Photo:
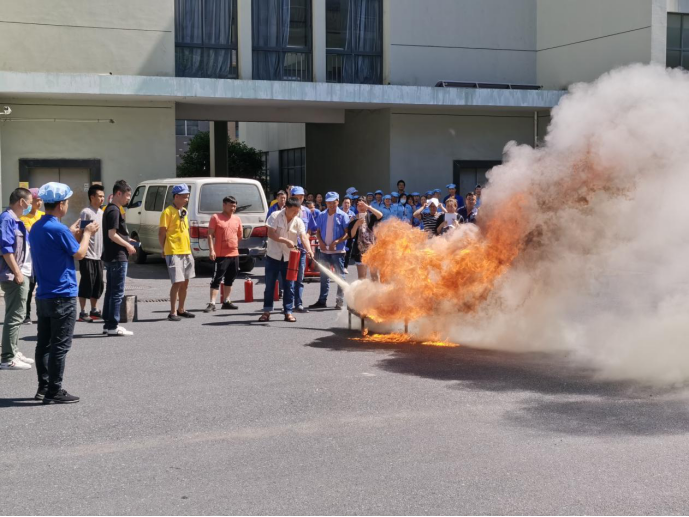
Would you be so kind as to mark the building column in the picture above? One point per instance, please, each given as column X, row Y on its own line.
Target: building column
column 318, row 45
column 244, row 40
column 218, row 137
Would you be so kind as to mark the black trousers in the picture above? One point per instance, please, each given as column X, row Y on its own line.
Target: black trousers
column 32, row 287
column 56, row 318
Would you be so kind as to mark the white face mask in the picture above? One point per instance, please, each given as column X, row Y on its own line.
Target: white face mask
column 403, row 200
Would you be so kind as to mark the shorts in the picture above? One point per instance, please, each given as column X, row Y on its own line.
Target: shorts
column 91, row 283
column 180, row 267
column 227, row 268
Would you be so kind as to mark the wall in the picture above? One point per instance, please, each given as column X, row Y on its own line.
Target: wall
column 467, row 40
column 140, row 144
column 579, row 40
column 356, row 153
column 123, row 37
column 424, row 144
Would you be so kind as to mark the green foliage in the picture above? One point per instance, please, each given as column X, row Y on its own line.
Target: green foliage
column 243, row 161
column 196, row 162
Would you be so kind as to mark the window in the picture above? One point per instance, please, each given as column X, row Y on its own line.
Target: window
column 206, row 38
column 180, row 127
column 293, row 167
column 467, row 175
column 677, row 41
column 354, row 41
column 154, row 199
column 186, row 127
column 248, row 197
column 281, row 32
column 137, row 198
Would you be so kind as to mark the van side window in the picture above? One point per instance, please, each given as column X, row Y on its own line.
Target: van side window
column 160, row 198
column 151, row 198
column 138, row 197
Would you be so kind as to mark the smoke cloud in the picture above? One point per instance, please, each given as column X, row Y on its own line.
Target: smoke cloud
column 582, row 246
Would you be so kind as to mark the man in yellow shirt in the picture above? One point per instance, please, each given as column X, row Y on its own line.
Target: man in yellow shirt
column 176, row 245
column 29, row 219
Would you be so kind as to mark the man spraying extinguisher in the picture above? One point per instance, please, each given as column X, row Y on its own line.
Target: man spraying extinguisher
column 285, row 230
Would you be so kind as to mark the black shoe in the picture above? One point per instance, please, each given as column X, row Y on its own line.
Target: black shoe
column 318, row 305
column 61, row 397
column 95, row 314
column 40, row 394
column 301, row 310
column 173, row 317
column 209, row 308
column 186, row 314
column 229, row 306
column 85, row 317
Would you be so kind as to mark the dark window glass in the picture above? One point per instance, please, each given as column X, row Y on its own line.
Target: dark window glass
column 336, row 22
column 206, row 38
column 674, row 30
column 192, row 127
column 673, row 59
column 248, row 197
column 179, row 128
column 138, row 197
column 151, row 198
column 160, row 198
column 685, row 32
column 293, row 167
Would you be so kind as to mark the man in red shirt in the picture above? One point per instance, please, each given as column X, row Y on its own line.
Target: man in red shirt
column 224, row 233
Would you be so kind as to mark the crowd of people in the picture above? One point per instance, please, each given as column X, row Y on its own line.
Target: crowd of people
column 39, row 254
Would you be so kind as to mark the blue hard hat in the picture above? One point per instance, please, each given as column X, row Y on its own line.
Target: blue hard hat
column 379, row 192
column 297, row 191
column 348, row 197
column 415, row 194
column 351, row 190
column 437, row 191
column 394, row 194
column 54, row 192
column 182, row 190
column 451, row 185
column 388, row 197
column 429, row 193
column 369, row 193
column 332, row 196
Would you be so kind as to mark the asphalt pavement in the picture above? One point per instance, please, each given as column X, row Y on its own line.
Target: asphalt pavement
column 226, row 415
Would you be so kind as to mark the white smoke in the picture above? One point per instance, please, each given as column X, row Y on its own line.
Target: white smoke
column 610, row 278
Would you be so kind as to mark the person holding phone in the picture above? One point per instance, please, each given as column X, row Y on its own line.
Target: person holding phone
column 360, row 230
column 91, row 266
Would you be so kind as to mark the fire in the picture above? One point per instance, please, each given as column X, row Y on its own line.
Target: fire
column 397, row 338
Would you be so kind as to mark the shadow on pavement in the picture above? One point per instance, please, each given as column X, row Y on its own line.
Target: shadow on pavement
column 573, row 400
column 20, row 402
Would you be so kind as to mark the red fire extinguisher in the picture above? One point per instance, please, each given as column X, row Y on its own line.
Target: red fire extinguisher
column 248, row 290
column 293, row 266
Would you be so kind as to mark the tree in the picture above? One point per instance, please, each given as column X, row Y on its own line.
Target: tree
column 197, row 160
column 242, row 161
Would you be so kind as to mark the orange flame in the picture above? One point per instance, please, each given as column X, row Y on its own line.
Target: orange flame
column 397, row 338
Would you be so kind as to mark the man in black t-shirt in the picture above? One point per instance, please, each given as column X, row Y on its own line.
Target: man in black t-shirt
column 117, row 248
column 469, row 211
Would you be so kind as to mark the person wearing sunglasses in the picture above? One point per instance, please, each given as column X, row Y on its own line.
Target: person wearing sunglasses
column 176, row 245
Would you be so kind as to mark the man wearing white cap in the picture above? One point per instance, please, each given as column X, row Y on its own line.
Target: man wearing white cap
column 332, row 236
column 54, row 248
column 176, row 245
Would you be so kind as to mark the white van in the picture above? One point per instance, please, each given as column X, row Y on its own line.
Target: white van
column 151, row 197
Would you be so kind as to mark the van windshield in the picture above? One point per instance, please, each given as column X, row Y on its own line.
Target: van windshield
column 248, row 197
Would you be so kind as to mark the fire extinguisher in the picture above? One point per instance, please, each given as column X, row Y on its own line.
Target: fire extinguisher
column 248, row 290
column 293, row 266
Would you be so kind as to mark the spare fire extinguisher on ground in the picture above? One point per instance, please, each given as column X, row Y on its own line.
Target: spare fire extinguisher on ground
column 248, row 290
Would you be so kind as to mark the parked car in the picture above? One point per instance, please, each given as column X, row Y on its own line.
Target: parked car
column 151, row 197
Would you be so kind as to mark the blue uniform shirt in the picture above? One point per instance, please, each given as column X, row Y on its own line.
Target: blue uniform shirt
column 52, row 250
column 339, row 226
column 387, row 212
column 375, row 204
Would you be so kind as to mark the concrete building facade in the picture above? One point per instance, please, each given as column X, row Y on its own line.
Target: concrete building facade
column 97, row 86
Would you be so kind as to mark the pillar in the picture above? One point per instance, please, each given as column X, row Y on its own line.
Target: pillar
column 244, row 39
column 318, row 46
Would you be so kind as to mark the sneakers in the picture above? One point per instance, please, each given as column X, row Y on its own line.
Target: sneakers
column 95, row 314
column 27, row 321
column 24, row 359
column 15, row 364
column 229, row 306
column 173, row 317
column 84, row 317
column 339, row 304
column 301, row 309
column 40, row 394
column 61, row 397
column 318, row 305
column 186, row 314
column 209, row 308
column 119, row 331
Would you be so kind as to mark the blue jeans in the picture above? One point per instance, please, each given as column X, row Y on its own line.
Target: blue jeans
column 116, row 274
column 299, row 284
column 277, row 269
column 56, row 318
column 337, row 260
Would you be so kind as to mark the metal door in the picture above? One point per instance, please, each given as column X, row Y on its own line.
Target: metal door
column 466, row 175
column 78, row 180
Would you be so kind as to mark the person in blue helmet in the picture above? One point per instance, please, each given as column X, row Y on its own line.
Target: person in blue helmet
column 369, row 198
column 353, row 194
column 452, row 193
column 377, row 203
column 477, row 191
column 54, row 247
column 308, row 217
column 386, row 210
column 406, row 210
column 347, row 206
column 332, row 236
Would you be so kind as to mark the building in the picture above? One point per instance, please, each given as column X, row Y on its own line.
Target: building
column 95, row 87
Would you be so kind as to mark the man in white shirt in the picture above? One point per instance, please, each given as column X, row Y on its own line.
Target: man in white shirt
column 285, row 229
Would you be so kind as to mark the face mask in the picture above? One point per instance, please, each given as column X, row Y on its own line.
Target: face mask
column 403, row 200
column 27, row 210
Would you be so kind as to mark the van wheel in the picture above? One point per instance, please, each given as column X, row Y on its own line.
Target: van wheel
column 247, row 265
column 141, row 255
